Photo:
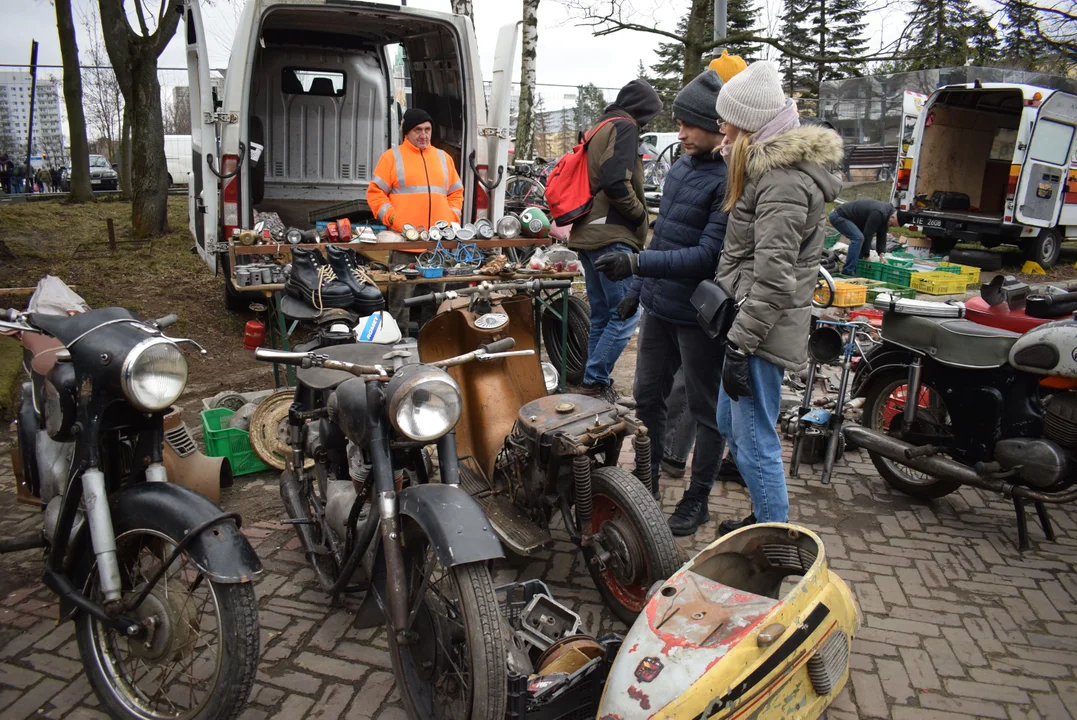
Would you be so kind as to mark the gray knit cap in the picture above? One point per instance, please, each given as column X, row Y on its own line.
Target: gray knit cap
column 752, row 97
column 695, row 103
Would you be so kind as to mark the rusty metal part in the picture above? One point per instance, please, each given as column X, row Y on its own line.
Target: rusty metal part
column 270, row 431
column 185, row 466
column 641, row 444
column 564, row 408
column 492, row 391
column 581, row 485
column 584, row 644
column 944, row 468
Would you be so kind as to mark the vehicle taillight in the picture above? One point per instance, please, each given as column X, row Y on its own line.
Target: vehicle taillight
column 903, row 177
column 482, row 198
column 229, row 196
column 1011, row 183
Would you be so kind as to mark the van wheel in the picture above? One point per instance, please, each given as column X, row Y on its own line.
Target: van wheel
column 1045, row 248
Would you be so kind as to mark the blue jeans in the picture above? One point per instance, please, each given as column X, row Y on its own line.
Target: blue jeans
column 748, row 426
column 609, row 333
column 856, row 240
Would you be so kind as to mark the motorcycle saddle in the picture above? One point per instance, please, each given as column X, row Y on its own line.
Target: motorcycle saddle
column 358, row 353
column 955, row 342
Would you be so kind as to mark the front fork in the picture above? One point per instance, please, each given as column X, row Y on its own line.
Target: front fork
column 912, row 394
column 103, row 537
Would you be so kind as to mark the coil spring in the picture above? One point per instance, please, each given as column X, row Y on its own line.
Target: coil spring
column 581, row 477
column 642, row 446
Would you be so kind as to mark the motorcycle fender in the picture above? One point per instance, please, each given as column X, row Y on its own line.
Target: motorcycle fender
column 221, row 551
column 886, row 359
column 454, row 522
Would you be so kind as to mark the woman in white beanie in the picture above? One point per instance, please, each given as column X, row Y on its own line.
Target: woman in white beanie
column 776, row 195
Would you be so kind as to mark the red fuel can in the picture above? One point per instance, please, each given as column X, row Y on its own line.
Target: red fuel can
column 254, row 334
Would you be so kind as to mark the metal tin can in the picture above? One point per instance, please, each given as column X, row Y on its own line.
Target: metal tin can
column 266, row 275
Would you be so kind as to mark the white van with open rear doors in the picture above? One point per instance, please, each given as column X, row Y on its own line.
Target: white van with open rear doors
column 993, row 163
column 309, row 104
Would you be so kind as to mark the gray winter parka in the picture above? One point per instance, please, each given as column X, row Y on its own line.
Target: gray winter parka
column 774, row 241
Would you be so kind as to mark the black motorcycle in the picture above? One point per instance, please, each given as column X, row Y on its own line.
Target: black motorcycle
column 359, row 490
column 156, row 577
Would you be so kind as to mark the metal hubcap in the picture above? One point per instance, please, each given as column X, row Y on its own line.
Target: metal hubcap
column 171, row 624
column 624, row 552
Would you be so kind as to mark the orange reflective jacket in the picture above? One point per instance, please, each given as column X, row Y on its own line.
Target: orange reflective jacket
column 415, row 187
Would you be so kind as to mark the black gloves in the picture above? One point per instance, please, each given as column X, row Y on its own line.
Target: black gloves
column 736, row 377
column 617, row 265
column 628, row 306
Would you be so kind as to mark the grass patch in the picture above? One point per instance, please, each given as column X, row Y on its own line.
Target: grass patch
column 10, row 375
column 167, row 278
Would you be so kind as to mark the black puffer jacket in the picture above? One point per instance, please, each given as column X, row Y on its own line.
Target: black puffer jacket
column 687, row 238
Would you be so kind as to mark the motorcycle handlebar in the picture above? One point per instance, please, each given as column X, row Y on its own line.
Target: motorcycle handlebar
column 166, row 321
column 281, row 357
column 421, row 299
column 499, row 345
column 490, row 287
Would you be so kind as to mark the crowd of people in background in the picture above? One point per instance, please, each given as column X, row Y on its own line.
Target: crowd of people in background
column 19, row 178
column 744, row 206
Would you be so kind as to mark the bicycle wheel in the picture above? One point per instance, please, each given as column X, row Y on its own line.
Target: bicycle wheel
column 522, row 193
column 579, row 330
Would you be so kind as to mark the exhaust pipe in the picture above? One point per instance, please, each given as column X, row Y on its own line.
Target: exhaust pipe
column 944, row 468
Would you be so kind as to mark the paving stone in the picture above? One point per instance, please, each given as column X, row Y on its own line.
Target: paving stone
column 920, row 669
column 325, row 665
column 870, row 698
column 372, row 693
column 294, row 706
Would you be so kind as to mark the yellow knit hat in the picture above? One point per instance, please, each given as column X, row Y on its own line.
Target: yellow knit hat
column 727, row 65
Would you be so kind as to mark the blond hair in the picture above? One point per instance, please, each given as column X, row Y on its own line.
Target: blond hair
column 738, row 162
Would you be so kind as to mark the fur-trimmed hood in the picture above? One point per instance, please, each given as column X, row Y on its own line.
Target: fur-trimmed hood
column 810, row 149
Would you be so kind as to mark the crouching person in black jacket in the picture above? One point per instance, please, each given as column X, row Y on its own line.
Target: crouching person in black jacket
column 683, row 251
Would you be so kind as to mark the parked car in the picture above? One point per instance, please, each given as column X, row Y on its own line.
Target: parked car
column 178, row 159
column 103, row 175
column 295, row 60
column 993, row 163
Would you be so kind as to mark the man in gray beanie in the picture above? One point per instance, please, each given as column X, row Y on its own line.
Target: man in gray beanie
column 684, row 250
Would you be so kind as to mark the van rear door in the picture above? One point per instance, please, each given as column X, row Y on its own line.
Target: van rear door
column 497, row 132
column 203, row 192
column 1040, row 188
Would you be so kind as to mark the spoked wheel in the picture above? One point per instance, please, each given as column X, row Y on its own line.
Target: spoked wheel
column 452, row 665
column 884, row 406
column 199, row 656
column 630, row 526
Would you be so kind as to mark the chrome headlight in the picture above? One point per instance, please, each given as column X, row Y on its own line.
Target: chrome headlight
column 425, row 405
column 154, row 374
column 551, row 377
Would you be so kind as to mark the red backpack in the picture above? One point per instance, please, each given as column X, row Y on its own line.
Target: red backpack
column 568, row 187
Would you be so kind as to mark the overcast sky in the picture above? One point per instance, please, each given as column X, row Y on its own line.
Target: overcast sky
column 567, row 54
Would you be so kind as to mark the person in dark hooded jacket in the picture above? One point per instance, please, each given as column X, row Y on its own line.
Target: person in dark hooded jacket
column 683, row 251
column 617, row 222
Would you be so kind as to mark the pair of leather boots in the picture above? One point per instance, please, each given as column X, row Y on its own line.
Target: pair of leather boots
column 336, row 281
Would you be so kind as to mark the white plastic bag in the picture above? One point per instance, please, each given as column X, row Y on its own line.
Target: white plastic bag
column 54, row 297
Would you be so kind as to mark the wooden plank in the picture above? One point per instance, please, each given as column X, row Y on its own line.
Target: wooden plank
column 280, row 248
column 382, row 283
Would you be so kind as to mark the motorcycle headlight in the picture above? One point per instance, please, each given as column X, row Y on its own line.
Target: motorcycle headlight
column 425, row 404
column 154, row 374
column 551, row 377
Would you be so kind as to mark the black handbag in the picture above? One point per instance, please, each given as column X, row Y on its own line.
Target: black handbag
column 715, row 309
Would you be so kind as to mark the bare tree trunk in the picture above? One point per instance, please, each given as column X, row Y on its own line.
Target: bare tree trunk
column 76, row 120
column 700, row 31
column 525, row 125
column 124, row 149
column 463, row 7
column 134, row 57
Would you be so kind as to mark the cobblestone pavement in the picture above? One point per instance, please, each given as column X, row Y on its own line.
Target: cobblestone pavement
column 958, row 624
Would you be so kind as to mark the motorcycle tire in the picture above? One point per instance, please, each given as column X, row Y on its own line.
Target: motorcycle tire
column 481, row 618
column 879, row 391
column 579, row 331
column 237, row 627
column 621, row 502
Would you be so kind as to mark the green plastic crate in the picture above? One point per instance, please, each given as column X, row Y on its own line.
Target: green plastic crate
column 231, row 443
column 831, row 237
column 869, row 269
column 892, row 290
column 903, row 276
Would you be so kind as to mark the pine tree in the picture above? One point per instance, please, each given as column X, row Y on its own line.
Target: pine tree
column 983, row 42
column 1021, row 47
column 590, row 106
column 939, row 34
column 824, row 29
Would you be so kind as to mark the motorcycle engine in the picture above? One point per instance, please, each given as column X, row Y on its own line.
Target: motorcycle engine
column 1060, row 420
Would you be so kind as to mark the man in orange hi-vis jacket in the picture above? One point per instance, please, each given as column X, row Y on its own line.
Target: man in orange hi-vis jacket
column 416, row 184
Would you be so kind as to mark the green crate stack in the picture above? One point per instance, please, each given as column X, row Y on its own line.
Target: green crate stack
column 231, row 443
column 892, row 290
column 869, row 269
column 903, row 276
column 831, row 237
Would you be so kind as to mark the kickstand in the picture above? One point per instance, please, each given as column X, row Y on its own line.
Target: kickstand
column 1022, row 522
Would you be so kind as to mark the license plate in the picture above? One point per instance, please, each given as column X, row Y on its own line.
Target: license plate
column 927, row 222
column 95, row 182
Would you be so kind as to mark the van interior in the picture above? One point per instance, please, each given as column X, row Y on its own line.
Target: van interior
column 324, row 105
column 968, row 146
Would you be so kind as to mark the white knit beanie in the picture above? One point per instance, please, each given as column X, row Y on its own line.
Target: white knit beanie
column 752, row 97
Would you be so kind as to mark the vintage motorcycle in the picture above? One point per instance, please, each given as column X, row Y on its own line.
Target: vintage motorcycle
column 358, row 491
column 526, row 455
column 157, row 579
column 949, row 402
column 756, row 625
